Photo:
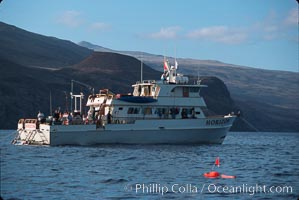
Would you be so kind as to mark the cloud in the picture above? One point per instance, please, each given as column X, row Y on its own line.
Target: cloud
column 271, row 27
column 275, row 28
column 222, row 34
column 99, row 26
column 166, row 33
column 268, row 32
column 292, row 17
column 70, row 18
column 267, row 28
column 74, row 19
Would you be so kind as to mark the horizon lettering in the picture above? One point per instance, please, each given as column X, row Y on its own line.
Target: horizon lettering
column 215, row 122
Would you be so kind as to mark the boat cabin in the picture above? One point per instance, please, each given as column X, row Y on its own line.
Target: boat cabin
column 147, row 88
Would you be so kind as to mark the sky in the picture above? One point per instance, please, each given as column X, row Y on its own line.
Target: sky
column 254, row 33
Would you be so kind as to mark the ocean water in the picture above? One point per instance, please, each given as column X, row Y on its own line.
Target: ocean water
column 266, row 166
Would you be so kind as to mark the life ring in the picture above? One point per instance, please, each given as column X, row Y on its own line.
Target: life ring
column 212, row 174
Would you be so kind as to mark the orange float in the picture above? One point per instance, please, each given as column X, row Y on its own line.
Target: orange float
column 212, row 174
column 227, row 176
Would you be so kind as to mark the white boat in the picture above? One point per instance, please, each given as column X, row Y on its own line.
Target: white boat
column 168, row 111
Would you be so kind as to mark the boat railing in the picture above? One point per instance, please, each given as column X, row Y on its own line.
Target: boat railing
column 131, row 120
column 146, row 81
column 215, row 116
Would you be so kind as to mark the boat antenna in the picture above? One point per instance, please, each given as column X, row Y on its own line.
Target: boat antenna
column 198, row 80
column 50, row 103
column 175, row 61
column 141, row 68
column 71, row 94
column 175, row 55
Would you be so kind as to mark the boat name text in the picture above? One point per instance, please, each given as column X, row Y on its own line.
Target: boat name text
column 214, row 122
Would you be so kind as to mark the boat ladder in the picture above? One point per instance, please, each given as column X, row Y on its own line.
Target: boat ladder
column 17, row 137
column 30, row 136
column 43, row 137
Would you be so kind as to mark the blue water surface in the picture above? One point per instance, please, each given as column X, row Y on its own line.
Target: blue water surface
column 259, row 161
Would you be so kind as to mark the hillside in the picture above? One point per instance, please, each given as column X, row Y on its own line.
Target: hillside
column 269, row 99
column 24, row 91
column 31, row 49
column 110, row 70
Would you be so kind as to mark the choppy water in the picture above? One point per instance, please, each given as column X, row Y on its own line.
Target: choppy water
column 145, row 172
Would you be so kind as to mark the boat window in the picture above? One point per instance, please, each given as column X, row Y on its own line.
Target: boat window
column 132, row 110
column 120, row 108
column 174, row 112
column 136, row 110
column 189, row 113
column 158, row 111
column 194, row 89
column 153, row 90
column 147, row 111
column 145, row 91
column 164, row 110
column 185, row 92
column 149, row 90
column 157, row 91
column 136, row 91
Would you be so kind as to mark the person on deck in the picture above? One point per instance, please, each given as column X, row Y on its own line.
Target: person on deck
column 184, row 113
column 70, row 118
column 56, row 115
column 41, row 117
column 109, row 117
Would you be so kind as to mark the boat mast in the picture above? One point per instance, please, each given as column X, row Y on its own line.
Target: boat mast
column 66, row 104
column 141, row 70
column 78, row 96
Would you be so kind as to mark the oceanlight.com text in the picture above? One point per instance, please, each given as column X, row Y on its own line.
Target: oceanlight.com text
column 162, row 189
column 249, row 189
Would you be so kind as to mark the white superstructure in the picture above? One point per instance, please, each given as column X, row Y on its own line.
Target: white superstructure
column 168, row 111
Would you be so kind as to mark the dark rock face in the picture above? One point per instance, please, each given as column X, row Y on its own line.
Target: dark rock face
column 24, row 91
column 219, row 102
column 217, row 96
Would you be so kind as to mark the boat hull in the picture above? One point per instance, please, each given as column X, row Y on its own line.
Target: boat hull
column 183, row 136
column 166, row 131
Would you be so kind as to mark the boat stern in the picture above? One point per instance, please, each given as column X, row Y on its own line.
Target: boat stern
column 31, row 132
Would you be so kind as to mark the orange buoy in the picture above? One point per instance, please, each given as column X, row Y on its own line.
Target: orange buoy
column 212, row 174
column 227, row 176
